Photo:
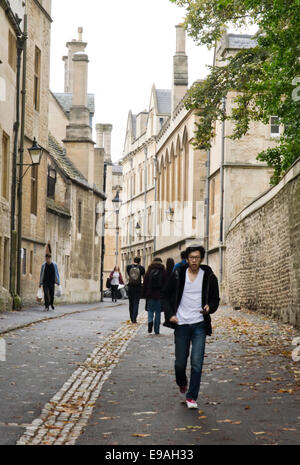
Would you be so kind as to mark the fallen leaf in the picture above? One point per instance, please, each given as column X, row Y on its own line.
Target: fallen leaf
column 144, row 413
column 138, row 435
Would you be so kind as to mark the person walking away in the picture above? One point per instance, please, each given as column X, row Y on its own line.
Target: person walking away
column 135, row 271
column 182, row 262
column 115, row 280
column 169, row 266
column 154, row 281
column 191, row 295
column 49, row 276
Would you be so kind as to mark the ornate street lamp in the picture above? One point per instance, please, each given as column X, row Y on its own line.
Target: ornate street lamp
column 35, row 153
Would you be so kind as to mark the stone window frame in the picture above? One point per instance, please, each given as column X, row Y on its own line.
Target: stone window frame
column 12, row 50
column 37, row 79
column 5, row 165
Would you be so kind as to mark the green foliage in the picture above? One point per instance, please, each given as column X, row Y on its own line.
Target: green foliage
column 261, row 76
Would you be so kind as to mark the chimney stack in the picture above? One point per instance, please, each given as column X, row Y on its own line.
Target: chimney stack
column 103, row 139
column 73, row 47
column 180, row 69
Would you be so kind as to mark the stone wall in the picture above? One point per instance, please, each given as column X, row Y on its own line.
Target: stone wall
column 262, row 265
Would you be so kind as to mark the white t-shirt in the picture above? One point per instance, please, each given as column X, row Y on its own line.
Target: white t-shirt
column 190, row 306
column 115, row 278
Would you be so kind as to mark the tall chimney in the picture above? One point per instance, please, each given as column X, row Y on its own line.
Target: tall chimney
column 107, row 140
column 73, row 47
column 180, row 69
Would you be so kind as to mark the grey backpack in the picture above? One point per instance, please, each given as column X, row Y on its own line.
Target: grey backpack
column 134, row 275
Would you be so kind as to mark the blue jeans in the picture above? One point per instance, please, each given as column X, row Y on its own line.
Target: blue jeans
column 185, row 335
column 154, row 308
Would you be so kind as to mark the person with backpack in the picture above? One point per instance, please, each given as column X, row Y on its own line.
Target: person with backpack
column 135, row 271
column 154, row 281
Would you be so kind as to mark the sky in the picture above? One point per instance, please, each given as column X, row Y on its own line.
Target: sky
column 131, row 44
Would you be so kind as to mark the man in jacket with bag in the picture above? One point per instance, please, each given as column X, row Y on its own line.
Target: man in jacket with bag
column 48, row 278
column 189, row 297
column 154, row 281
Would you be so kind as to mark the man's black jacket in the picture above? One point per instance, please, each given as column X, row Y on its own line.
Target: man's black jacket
column 173, row 290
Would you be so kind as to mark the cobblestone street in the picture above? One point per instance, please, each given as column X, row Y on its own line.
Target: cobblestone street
column 122, row 391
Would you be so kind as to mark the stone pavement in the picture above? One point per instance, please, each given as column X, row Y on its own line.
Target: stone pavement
column 124, row 393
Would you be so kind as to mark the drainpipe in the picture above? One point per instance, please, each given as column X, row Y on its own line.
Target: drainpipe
column 145, row 206
column 13, row 232
column 207, row 205
column 103, row 237
column 222, row 193
column 20, row 184
column 155, row 203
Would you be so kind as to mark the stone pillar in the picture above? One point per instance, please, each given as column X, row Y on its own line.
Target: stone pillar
column 180, row 69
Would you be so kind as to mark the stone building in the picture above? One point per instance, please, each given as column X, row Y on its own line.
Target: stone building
column 33, row 195
column 36, row 126
column 113, row 183
column 75, row 182
column 139, row 168
column 10, row 33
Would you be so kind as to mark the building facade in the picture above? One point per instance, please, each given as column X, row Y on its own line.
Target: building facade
column 75, row 169
column 195, row 193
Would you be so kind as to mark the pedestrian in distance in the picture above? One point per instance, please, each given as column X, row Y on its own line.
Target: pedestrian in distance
column 49, row 276
column 115, row 280
column 191, row 295
column 170, row 263
column 182, row 262
column 135, row 271
column 154, row 281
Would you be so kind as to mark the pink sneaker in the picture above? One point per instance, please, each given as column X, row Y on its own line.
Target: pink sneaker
column 191, row 403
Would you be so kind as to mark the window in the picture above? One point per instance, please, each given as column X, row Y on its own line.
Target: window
column 24, row 267
column 37, row 79
column 12, row 50
column 34, row 189
column 6, row 263
column 51, row 181
column 275, row 128
column 79, row 216
column 212, row 196
column 5, row 166
column 31, row 262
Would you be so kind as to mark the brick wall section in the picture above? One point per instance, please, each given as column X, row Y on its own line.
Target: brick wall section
column 262, row 267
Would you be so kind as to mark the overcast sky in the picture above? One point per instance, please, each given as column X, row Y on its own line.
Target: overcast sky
column 131, row 44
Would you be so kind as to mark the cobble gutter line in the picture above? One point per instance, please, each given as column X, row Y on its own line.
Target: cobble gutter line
column 63, row 418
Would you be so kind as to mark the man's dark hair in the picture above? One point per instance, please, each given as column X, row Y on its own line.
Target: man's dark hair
column 137, row 260
column 157, row 260
column 194, row 248
column 183, row 255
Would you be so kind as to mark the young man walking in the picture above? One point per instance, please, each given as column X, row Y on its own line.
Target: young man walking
column 135, row 272
column 48, row 278
column 190, row 296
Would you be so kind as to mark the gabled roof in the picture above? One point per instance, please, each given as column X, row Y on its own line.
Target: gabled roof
column 58, row 153
column 163, row 101
column 65, row 101
column 239, row 41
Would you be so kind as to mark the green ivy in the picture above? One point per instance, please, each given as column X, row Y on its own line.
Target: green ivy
column 262, row 76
